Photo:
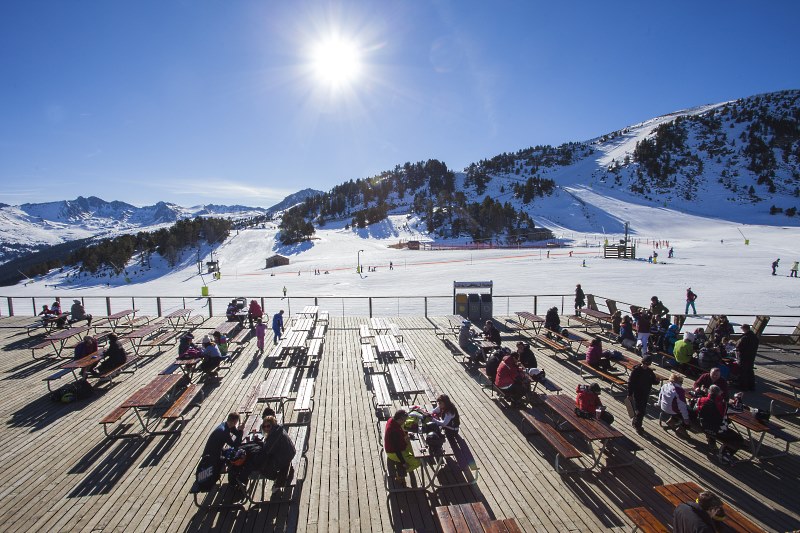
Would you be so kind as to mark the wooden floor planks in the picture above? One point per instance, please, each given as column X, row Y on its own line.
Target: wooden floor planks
column 59, row 472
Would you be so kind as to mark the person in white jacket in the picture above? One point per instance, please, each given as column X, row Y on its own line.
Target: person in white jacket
column 672, row 401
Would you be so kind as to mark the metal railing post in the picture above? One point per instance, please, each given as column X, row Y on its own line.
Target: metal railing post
column 108, row 305
column 10, row 306
column 158, row 305
column 210, row 308
column 535, row 305
column 370, row 306
column 426, row 307
column 33, row 303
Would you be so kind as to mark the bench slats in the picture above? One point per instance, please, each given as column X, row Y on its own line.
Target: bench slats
column 305, row 395
column 114, row 415
column 553, row 437
column 614, row 380
column 644, row 520
column 183, row 401
column 380, row 389
column 367, row 354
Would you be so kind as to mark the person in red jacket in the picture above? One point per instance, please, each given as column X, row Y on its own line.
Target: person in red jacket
column 512, row 379
column 588, row 402
column 398, row 446
column 254, row 312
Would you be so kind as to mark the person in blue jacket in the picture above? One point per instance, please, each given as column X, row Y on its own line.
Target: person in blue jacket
column 277, row 326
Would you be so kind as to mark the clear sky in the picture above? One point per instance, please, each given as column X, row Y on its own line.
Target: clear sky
column 244, row 102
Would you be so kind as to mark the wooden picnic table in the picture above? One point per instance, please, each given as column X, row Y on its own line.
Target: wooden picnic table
column 137, row 336
column 599, row 316
column 116, row 319
column 294, row 341
column 178, row 318
column 310, row 311
column 472, row 518
column 794, row 383
column 277, row 387
column 386, row 345
column 405, row 380
column 226, row 327
column 438, row 461
column 526, row 317
column 303, row 324
column 59, row 339
column 678, row 493
column 149, row 396
column 454, row 323
column 751, row 424
column 379, row 324
column 589, row 428
column 188, row 366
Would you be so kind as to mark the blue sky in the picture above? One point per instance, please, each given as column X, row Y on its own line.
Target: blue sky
column 201, row 102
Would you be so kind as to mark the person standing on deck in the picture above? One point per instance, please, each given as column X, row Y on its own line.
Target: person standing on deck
column 580, row 299
column 277, row 326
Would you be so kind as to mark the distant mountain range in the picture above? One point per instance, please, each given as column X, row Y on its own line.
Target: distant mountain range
column 28, row 228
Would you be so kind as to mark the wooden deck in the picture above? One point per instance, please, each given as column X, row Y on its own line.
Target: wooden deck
column 58, row 472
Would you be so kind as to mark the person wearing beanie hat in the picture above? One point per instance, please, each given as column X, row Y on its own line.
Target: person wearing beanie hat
column 684, row 348
column 746, row 350
column 212, row 357
column 640, row 383
column 78, row 313
column 588, row 401
column 699, row 515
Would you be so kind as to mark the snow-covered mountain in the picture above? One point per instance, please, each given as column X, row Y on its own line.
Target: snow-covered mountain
column 29, row 227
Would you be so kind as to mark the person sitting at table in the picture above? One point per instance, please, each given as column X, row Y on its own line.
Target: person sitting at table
column 113, row 357
column 616, row 322
column 683, row 350
column 711, row 411
column 640, row 383
column 187, row 349
column 230, row 312
column 699, row 516
column 723, row 329
column 493, row 363
column 670, row 338
column 254, row 312
column 229, row 433
column 86, row 347
column 272, row 458
column 551, row 320
column 709, row 356
column 55, row 310
column 222, row 342
column 706, row 380
column 526, row 355
column 699, row 338
column 397, row 446
column 491, row 333
column 587, row 403
column 212, row 357
column 445, row 416
column 78, row 313
column 512, row 378
column 465, row 336
column 672, row 401
column 595, row 356
column 626, row 335
column 46, row 313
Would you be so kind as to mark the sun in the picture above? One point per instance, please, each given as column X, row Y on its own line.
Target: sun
column 336, row 62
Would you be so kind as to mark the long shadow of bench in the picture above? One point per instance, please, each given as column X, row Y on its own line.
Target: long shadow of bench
column 103, row 478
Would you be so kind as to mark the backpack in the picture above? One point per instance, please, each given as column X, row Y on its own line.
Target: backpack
column 206, row 474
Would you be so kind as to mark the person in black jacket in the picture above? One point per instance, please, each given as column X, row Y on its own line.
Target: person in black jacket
column 494, row 362
column 274, row 458
column 113, row 357
column 698, row 517
column 580, row 299
column 551, row 320
column 746, row 350
column 230, row 433
column 640, row 383
column 526, row 355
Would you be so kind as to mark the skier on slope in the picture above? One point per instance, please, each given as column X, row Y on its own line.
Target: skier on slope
column 775, row 266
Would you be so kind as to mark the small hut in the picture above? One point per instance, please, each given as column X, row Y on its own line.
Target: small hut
column 276, row 260
column 413, row 245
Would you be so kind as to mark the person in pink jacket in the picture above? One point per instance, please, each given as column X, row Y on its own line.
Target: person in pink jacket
column 261, row 333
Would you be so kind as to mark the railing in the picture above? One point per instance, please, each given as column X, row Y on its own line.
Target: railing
column 335, row 305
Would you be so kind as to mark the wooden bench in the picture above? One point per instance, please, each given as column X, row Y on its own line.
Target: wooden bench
column 552, row 344
column 55, row 376
column 121, row 369
column 580, row 320
column 784, row 399
column 364, row 333
column 368, row 354
column 250, row 399
column 562, row 447
column 463, row 518
column 611, row 378
column 408, row 354
column 165, row 339
column 323, row 316
column 184, row 401
column 112, row 418
column 319, row 332
column 503, row 525
column 645, row 520
column 305, row 396
column 315, row 347
column 685, row 368
column 381, row 399
column 395, row 330
column 41, row 345
column 239, row 337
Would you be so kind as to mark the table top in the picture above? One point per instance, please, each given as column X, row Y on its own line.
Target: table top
column 405, row 380
column 679, row 493
column 295, row 339
column 530, row 317
column 303, row 324
column 386, row 344
column 794, row 382
column 420, row 447
column 122, row 314
column 600, row 315
column 142, row 332
column 466, row 517
column 590, row 428
column 66, row 333
column 379, row 323
column 83, row 362
column 486, row 345
column 227, row 327
column 748, row 420
column 151, row 394
column 312, row 310
column 178, row 313
column 278, row 384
